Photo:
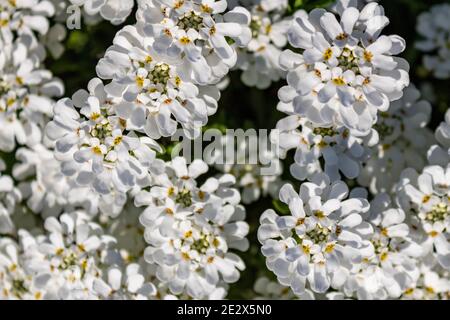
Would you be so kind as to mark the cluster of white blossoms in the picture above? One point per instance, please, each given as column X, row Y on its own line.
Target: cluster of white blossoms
column 426, row 197
column 439, row 154
column 92, row 208
column 191, row 229
column 259, row 61
column 347, row 72
column 403, row 142
column 161, row 72
column 27, row 90
column 73, row 260
column 434, row 28
column 115, row 11
column 341, row 153
column 352, row 114
column 390, row 266
column 164, row 69
column 320, row 241
column 95, row 145
column 9, row 196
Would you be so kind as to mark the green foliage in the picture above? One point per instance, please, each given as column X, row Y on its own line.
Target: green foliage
column 280, row 207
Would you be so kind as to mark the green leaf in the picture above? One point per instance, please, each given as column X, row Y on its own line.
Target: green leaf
column 280, row 207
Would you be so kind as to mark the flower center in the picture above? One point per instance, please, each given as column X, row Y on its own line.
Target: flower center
column 102, row 130
column 160, row 74
column 184, row 198
column 325, row 132
column 439, row 212
column 18, row 287
column 255, row 26
column 190, row 20
column 202, row 244
column 68, row 261
column 318, row 235
column 348, row 61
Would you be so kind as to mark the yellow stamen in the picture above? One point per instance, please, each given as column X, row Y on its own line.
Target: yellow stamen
column 328, row 54
column 368, row 56
column 97, row 150
column 185, row 40
column 329, row 248
column 339, row 81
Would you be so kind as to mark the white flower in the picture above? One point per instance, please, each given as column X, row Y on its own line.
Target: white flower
column 390, row 262
column 17, row 282
column 25, row 95
column 115, row 11
column 259, row 61
column 191, row 230
column 68, row 262
column 318, row 239
column 9, row 197
column 71, row 255
column 403, row 142
column 430, row 285
column 24, row 17
column 340, row 150
column 156, row 95
column 124, row 284
column 200, row 28
column 272, row 290
column 29, row 274
column 426, row 198
column 440, row 154
column 434, row 28
column 96, row 146
column 46, row 190
column 347, row 72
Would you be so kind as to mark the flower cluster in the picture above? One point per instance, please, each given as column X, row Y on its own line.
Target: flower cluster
column 9, row 196
column 390, row 267
column 96, row 146
column 347, row 71
column 335, row 147
column 434, row 28
column 320, row 241
column 427, row 199
column 190, row 229
column 164, row 68
column 70, row 261
column 259, row 61
column 403, row 142
column 26, row 92
column 115, row 11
